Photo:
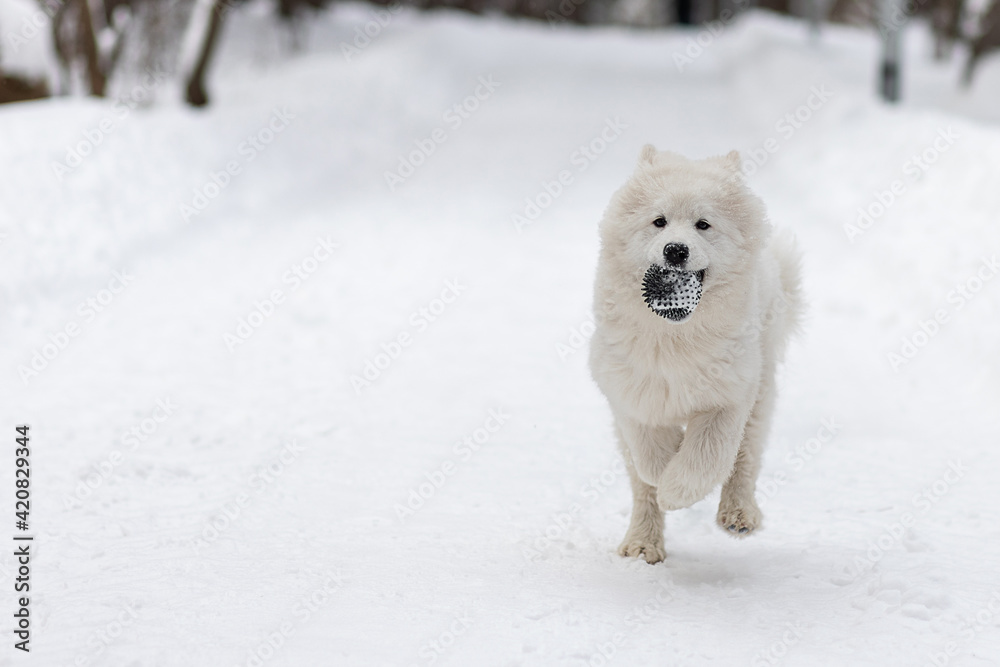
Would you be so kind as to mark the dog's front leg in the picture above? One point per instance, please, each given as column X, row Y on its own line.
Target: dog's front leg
column 705, row 458
column 653, row 447
column 649, row 447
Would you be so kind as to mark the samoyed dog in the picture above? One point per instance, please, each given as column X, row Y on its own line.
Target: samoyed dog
column 694, row 302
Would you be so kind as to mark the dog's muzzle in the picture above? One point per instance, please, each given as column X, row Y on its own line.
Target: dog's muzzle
column 672, row 294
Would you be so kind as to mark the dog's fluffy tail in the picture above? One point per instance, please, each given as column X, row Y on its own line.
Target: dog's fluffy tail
column 789, row 300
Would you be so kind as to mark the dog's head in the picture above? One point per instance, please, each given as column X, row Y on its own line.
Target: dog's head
column 682, row 228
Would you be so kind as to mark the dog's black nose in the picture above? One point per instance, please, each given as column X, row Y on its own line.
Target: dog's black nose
column 675, row 254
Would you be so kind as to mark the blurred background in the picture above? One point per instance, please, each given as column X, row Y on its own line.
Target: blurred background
column 295, row 298
column 66, row 47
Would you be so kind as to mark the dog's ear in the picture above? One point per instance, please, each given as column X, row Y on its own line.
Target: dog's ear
column 733, row 161
column 648, row 154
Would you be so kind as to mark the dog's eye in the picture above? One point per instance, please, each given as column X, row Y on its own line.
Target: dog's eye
column 702, row 224
column 660, row 222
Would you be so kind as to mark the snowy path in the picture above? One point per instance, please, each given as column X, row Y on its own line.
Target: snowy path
column 265, row 506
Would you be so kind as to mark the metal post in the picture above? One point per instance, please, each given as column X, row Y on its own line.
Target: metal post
column 892, row 18
column 815, row 9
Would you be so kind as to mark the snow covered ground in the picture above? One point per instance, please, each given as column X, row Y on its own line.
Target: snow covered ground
column 284, row 414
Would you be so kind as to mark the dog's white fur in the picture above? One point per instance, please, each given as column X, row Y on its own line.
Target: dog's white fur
column 692, row 402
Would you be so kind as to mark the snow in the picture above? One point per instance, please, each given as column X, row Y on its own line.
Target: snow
column 26, row 39
column 196, row 505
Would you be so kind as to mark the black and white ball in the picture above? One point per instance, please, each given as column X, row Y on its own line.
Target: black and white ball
column 672, row 294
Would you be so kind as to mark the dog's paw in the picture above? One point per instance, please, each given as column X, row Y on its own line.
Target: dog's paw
column 740, row 521
column 638, row 548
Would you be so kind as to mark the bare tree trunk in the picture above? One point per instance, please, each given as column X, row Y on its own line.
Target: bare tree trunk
column 946, row 23
column 988, row 39
column 953, row 29
column 76, row 26
column 64, row 51
column 195, row 93
column 96, row 78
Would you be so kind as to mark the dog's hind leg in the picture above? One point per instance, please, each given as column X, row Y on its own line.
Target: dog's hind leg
column 644, row 538
column 738, row 511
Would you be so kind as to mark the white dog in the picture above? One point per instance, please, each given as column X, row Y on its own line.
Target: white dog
column 694, row 302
